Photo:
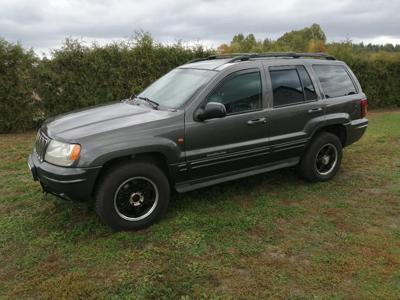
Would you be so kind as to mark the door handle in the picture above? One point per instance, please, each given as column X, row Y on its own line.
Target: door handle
column 257, row 121
column 314, row 110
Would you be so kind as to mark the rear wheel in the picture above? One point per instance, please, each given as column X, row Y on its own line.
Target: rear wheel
column 132, row 195
column 322, row 159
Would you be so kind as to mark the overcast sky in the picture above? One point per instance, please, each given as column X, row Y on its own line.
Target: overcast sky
column 44, row 24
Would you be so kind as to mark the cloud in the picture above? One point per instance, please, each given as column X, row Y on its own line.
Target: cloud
column 45, row 24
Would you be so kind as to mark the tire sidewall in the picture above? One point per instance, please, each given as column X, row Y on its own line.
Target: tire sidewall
column 308, row 167
column 105, row 197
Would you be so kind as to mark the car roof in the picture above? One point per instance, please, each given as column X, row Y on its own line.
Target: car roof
column 218, row 63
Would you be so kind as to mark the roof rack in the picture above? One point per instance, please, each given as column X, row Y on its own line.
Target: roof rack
column 220, row 56
column 248, row 56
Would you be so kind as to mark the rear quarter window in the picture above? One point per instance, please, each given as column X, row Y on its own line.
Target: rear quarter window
column 335, row 80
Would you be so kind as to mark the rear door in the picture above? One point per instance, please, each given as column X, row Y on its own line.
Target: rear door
column 296, row 106
column 237, row 141
column 341, row 90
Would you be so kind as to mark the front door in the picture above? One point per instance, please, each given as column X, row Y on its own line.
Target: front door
column 239, row 140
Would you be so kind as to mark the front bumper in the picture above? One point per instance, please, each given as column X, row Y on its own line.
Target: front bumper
column 68, row 183
column 355, row 130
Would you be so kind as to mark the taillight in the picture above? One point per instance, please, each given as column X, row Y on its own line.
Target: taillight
column 364, row 107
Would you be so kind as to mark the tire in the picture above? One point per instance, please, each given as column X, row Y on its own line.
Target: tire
column 132, row 196
column 322, row 158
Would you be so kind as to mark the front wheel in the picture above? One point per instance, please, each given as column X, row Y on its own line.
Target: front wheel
column 132, row 195
column 322, row 158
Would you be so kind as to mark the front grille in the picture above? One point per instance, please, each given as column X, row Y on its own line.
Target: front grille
column 41, row 145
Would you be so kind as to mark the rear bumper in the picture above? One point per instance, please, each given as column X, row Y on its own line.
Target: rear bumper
column 69, row 183
column 355, row 130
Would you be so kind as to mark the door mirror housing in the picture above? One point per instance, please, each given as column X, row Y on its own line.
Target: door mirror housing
column 211, row 111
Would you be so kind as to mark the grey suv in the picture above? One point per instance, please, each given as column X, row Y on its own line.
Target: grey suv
column 205, row 122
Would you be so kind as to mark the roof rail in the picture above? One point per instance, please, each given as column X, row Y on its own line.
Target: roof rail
column 220, row 56
column 248, row 56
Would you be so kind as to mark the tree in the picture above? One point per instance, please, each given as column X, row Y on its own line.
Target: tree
column 240, row 43
column 224, row 48
column 301, row 40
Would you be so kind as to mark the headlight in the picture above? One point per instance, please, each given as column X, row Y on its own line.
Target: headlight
column 62, row 154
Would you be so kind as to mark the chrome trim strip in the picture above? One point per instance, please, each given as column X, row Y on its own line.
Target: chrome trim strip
column 244, row 154
column 225, row 159
column 229, row 155
column 362, row 126
column 289, row 148
column 63, row 181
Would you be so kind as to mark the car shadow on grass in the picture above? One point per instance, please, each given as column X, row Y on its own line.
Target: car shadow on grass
column 240, row 193
column 82, row 217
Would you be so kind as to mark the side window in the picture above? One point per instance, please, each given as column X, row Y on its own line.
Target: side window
column 239, row 93
column 335, row 80
column 286, row 87
column 309, row 90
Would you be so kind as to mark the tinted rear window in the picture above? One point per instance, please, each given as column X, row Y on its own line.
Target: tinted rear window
column 286, row 87
column 335, row 80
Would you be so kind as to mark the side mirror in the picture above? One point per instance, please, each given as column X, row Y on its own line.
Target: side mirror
column 211, row 111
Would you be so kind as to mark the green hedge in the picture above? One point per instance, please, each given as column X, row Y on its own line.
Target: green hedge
column 380, row 80
column 76, row 76
column 18, row 104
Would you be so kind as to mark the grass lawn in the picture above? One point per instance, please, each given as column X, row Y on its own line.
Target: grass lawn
column 266, row 236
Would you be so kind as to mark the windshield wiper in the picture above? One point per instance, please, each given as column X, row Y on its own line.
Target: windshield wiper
column 153, row 103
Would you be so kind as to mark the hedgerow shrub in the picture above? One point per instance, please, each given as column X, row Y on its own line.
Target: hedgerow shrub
column 77, row 76
column 380, row 80
column 18, row 106
column 378, row 73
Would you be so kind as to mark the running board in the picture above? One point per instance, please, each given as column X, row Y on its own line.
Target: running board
column 208, row 181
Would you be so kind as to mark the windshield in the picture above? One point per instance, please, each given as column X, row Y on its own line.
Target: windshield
column 176, row 87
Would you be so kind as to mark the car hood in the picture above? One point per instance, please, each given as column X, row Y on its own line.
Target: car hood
column 104, row 118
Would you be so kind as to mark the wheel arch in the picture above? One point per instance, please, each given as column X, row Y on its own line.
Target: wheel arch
column 157, row 158
column 337, row 129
